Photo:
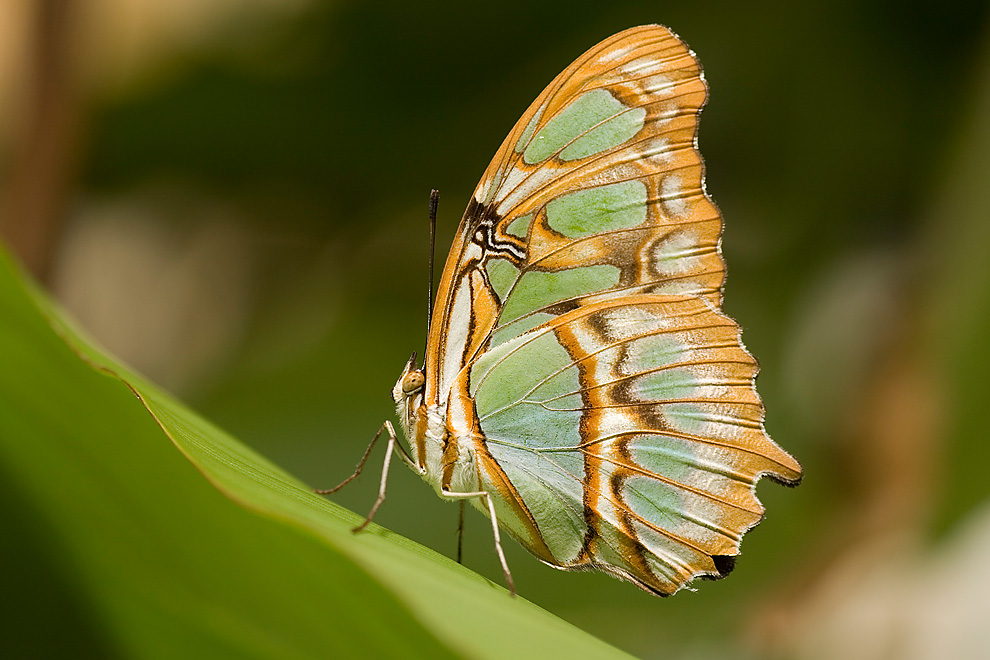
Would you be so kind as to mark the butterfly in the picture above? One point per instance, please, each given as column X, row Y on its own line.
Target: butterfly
column 581, row 385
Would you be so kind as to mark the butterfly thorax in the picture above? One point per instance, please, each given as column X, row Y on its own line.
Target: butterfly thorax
column 444, row 458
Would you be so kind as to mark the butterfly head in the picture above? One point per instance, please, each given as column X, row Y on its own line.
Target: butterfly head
column 410, row 382
column 408, row 393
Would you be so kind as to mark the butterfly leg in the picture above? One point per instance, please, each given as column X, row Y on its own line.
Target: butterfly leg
column 460, row 530
column 393, row 446
column 495, row 532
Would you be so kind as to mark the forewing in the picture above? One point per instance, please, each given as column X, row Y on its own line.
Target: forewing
column 597, row 191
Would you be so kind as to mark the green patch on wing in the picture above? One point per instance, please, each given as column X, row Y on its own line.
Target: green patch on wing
column 665, row 384
column 689, row 418
column 660, row 454
column 505, row 332
column 594, row 210
column 506, row 374
column 549, row 484
column 594, row 122
column 527, row 396
column 501, row 275
column 536, row 290
column 655, row 501
column 520, row 226
column 655, row 351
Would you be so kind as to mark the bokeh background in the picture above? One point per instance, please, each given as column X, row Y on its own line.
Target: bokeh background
column 231, row 196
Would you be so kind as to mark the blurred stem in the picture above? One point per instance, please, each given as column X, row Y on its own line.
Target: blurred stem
column 44, row 161
column 893, row 456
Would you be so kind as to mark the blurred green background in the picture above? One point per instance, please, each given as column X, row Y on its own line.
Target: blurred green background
column 231, row 196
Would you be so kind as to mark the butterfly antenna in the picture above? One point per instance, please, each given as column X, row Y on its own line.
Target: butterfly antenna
column 434, row 200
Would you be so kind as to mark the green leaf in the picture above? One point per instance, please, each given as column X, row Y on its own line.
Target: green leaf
column 208, row 551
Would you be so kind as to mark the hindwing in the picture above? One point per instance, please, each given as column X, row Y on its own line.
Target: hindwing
column 632, row 434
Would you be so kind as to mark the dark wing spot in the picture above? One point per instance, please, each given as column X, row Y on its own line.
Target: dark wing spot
column 724, row 563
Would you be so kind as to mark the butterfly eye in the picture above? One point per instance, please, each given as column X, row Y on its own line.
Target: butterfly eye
column 413, row 381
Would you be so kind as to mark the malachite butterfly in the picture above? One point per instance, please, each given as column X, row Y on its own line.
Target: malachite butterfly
column 581, row 385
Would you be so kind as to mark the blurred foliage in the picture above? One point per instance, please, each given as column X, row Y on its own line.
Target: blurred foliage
column 845, row 145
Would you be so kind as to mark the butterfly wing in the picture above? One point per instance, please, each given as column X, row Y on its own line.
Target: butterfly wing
column 610, row 403
column 631, row 433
